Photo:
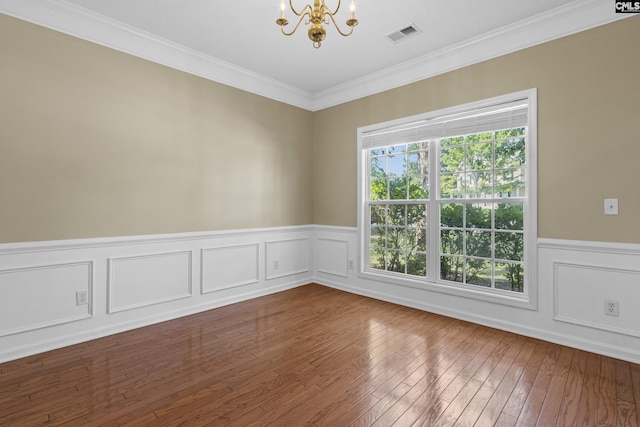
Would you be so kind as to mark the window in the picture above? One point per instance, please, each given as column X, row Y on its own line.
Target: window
column 447, row 200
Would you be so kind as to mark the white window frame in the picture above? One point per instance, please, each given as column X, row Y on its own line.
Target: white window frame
column 432, row 282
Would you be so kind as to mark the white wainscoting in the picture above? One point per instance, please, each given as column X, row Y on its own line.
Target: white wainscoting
column 333, row 256
column 41, row 296
column 574, row 279
column 230, row 266
column 595, row 285
column 287, row 257
column 141, row 280
column 136, row 281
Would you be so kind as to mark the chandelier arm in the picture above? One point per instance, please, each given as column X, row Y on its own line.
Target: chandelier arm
column 302, row 12
column 297, row 25
column 338, row 28
column 335, row 11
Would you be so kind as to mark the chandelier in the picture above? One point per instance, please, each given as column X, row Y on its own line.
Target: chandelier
column 316, row 15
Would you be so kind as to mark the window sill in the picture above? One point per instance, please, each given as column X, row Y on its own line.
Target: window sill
column 466, row 291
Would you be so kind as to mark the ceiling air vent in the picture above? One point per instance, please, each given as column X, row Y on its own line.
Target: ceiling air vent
column 404, row 33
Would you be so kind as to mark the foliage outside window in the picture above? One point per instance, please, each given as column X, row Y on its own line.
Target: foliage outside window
column 399, row 189
column 446, row 198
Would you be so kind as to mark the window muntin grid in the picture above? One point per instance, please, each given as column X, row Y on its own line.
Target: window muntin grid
column 482, row 176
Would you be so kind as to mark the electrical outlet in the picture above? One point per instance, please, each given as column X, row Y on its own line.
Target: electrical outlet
column 82, row 298
column 351, row 264
column 276, row 265
column 611, row 308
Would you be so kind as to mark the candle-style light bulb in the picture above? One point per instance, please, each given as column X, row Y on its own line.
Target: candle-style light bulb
column 353, row 9
column 282, row 9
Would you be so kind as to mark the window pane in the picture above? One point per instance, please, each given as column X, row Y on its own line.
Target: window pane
column 378, row 189
column 396, row 261
column 376, row 258
column 378, row 214
column 418, row 163
column 451, row 242
column 378, row 237
column 479, row 185
column 510, row 216
column 509, row 277
column 478, row 244
column 413, row 165
column 451, row 215
column 510, row 246
column 418, row 188
column 510, row 153
column 479, row 157
column 417, row 264
column 378, row 167
column 398, row 188
column 478, row 215
column 510, row 183
column 397, row 214
column 451, row 186
column 478, row 272
column 417, row 215
column 416, row 239
column 397, row 164
column 451, row 268
column 396, row 238
column 452, row 159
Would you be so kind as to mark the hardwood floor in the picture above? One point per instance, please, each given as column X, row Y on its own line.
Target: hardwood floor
column 317, row 356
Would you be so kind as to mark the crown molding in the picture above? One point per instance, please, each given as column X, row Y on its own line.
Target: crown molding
column 572, row 18
column 75, row 21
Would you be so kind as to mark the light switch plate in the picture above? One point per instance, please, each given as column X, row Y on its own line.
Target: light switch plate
column 611, row 206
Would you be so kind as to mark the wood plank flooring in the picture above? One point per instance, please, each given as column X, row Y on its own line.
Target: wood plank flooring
column 314, row 356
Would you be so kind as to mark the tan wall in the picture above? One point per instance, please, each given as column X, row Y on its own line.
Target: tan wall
column 588, row 134
column 94, row 142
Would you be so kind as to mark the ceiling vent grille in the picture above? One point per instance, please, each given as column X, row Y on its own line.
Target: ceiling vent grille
column 404, row 33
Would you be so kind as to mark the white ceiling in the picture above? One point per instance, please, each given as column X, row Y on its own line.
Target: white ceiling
column 238, row 42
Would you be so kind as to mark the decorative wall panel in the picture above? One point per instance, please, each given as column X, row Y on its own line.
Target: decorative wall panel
column 333, row 256
column 138, row 281
column 581, row 292
column 229, row 266
column 286, row 257
column 44, row 295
